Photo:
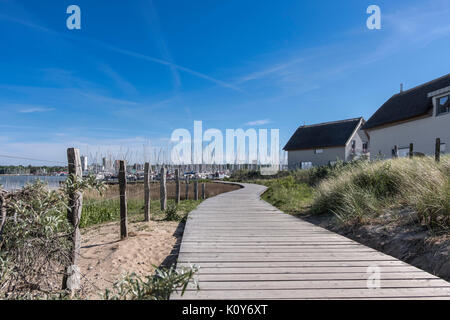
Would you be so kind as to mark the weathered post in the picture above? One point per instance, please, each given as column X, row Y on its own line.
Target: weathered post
column 71, row 279
column 203, row 191
column 177, row 186
column 163, row 190
column 196, row 190
column 438, row 150
column 123, row 200
column 147, row 191
column 2, row 214
column 187, row 188
column 411, row 150
column 395, row 151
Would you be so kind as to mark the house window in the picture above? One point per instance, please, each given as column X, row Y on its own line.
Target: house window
column 365, row 147
column 353, row 145
column 317, row 151
column 443, row 105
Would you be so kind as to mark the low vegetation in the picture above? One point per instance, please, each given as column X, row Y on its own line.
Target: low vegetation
column 360, row 191
column 367, row 189
column 157, row 287
column 96, row 211
column 35, row 241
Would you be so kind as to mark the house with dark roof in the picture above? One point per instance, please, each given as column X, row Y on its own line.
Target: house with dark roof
column 418, row 116
column 325, row 143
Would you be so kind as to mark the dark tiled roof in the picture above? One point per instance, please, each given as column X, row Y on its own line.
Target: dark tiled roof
column 322, row 135
column 407, row 104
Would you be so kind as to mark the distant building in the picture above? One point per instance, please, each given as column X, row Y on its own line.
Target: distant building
column 107, row 165
column 84, row 163
column 325, row 143
column 96, row 168
column 417, row 116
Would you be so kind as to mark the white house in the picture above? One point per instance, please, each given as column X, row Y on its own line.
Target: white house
column 418, row 116
column 325, row 143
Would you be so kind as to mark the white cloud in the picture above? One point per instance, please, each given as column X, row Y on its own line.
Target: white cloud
column 258, row 122
column 36, row 109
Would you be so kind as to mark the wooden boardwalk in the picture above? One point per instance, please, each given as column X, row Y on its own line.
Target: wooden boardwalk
column 248, row 249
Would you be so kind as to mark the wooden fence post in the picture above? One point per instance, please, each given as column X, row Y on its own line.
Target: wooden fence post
column 163, row 190
column 147, row 191
column 438, row 150
column 411, row 150
column 123, row 199
column 196, row 190
column 395, row 151
column 203, row 191
column 177, row 186
column 2, row 214
column 187, row 188
column 72, row 279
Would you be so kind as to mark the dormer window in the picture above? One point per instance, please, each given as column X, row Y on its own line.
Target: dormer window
column 443, row 105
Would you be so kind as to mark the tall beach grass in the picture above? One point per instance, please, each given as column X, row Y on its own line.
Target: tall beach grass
column 366, row 189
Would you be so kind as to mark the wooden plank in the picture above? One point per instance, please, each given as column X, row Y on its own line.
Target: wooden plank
column 247, row 249
column 297, row 264
column 313, row 274
column 323, row 284
column 347, row 293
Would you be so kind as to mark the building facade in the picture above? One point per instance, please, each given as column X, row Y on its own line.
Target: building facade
column 325, row 143
column 418, row 116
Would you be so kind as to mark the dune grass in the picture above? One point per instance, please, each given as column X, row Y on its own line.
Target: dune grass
column 366, row 189
column 357, row 192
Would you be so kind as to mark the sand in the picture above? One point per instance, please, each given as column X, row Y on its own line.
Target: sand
column 105, row 258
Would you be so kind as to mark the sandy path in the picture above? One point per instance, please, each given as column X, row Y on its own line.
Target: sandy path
column 104, row 258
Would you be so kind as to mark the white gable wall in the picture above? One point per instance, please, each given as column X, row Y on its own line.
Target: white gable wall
column 343, row 153
column 421, row 132
column 296, row 157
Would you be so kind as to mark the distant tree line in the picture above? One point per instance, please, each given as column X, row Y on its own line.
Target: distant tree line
column 31, row 169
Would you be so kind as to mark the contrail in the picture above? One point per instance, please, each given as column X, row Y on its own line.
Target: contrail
column 124, row 52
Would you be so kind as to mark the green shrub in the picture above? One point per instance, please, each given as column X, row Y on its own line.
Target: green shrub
column 157, row 287
column 171, row 212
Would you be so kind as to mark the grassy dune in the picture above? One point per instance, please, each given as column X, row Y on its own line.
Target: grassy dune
column 365, row 190
column 360, row 191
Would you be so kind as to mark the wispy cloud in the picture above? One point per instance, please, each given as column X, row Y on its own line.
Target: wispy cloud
column 121, row 83
column 258, row 122
column 152, row 19
column 129, row 53
column 35, row 109
column 269, row 71
column 170, row 64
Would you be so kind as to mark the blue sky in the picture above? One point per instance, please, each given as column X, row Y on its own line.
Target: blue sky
column 139, row 69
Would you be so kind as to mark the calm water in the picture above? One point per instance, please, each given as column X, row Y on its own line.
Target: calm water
column 17, row 182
